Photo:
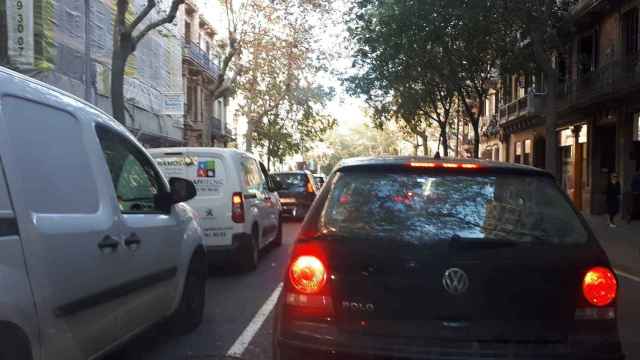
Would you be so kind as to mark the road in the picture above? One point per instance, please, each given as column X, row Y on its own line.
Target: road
column 233, row 301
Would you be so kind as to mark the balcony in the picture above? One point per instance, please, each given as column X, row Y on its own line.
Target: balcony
column 588, row 7
column 615, row 79
column 215, row 127
column 490, row 128
column 192, row 52
column 516, row 109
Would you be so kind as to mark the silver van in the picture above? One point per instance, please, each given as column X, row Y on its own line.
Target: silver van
column 95, row 244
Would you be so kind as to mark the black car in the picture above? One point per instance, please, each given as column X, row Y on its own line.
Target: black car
column 405, row 258
column 297, row 192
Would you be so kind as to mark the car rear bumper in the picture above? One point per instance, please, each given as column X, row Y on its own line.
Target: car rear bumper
column 221, row 254
column 356, row 347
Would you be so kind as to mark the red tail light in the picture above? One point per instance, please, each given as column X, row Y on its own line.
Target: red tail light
column 307, row 274
column 237, row 208
column 307, row 289
column 599, row 286
column 446, row 165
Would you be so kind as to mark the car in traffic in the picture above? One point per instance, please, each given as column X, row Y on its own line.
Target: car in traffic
column 237, row 209
column 411, row 258
column 297, row 191
column 95, row 244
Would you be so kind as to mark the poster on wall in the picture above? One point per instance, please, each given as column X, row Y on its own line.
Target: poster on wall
column 20, row 32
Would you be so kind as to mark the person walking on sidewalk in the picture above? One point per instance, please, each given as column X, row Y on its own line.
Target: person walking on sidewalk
column 635, row 197
column 613, row 198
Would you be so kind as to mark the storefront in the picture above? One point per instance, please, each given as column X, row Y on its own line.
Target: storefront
column 574, row 163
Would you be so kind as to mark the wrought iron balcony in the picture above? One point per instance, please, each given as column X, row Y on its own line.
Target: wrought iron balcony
column 215, row 126
column 611, row 80
column 200, row 57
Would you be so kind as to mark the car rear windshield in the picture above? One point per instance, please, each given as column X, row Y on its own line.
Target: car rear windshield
column 293, row 182
column 423, row 208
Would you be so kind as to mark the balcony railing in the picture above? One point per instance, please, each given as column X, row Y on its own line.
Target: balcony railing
column 609, row 80
column 490, row 127
column 199, row 56
column 514, row 109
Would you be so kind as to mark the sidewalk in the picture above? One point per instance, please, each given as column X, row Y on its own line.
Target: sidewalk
column 622, row 243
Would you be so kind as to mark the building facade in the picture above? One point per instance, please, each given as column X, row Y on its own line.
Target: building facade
column 597, row 107
column 68, row 44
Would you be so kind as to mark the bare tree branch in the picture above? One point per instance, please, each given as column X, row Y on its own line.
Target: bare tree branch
column 142, row 15
column 171, row 15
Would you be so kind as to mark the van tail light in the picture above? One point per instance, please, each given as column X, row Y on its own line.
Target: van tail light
column 600, row 289
column 237, row 208
column 310, row 188
column 307, row 283
column 445, row 165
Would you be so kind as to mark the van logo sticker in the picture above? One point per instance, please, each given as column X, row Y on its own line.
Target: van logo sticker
column 207, row 168
column 208, row 212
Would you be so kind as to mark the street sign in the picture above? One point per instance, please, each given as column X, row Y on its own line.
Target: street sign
column 173, row 103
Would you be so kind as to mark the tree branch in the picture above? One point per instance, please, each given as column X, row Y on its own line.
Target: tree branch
column 173, row 11
column 143, row 14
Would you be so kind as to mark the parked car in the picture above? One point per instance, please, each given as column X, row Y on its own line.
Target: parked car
column 297, row 192
column 95, row 244
column 414, row 259
column 237, row 211
column 319, row 179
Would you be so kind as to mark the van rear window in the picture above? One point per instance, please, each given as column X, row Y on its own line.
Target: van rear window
column 424, row 208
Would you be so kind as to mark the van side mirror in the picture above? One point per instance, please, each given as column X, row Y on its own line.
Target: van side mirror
column 181, row 190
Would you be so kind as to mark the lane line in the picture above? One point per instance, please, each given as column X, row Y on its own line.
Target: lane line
column 627, row 275
column 250, row 331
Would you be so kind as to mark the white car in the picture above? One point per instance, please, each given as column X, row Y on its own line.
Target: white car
column 239, row 210
column 95, row 244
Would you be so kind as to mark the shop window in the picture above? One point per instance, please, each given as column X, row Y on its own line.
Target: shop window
column 527, row 152
column 518, row 152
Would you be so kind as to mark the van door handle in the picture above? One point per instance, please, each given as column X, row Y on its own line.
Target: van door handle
column 132, row 239
column 108, row 242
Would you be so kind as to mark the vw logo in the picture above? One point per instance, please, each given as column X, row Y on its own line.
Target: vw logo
column 455, row 281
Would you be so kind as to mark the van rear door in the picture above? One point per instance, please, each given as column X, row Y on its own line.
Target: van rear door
column 213, row 200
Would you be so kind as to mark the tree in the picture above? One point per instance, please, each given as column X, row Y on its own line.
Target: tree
column 126, row 38
column 125, row 41
column 282, row 60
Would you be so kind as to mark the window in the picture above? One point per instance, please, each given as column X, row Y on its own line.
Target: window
column 518, row 153
column 293, row 182
column 135, row 179
column 428, row 208
column 630, row 31
column 53, row 170
column 252, row 176
column 187, row 32
column 527, row 152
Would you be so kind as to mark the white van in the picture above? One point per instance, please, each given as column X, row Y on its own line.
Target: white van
column 95, row 244
column 239, row 210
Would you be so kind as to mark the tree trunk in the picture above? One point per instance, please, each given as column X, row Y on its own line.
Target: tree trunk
column 445, row 141
column 476, row 140
column 248, row 137
column 551, row 139
column 118, row 65
column 425, row 145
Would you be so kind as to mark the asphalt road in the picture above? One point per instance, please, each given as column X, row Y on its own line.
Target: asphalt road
column 233, row 300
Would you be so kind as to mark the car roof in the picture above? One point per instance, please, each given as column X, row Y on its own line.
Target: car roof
column 299, row 172
column 199, row 150
column 382, row 161
column 25, row 84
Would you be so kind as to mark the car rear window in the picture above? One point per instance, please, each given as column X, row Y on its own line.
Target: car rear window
column 293, row 182
column 423, row 208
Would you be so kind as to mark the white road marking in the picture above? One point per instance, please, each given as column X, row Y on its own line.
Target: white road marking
column 627, row 275
column 250, row 331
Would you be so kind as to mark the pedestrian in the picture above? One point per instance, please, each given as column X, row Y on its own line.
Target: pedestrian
column 437, row 156
column 613, row 198
column 635, row 197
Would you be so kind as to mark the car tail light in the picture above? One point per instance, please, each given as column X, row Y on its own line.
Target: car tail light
column 310, row 188
column 445, row 165
column 307, row 274
column 307, row 289
column 237, row 208
column 599, row 288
